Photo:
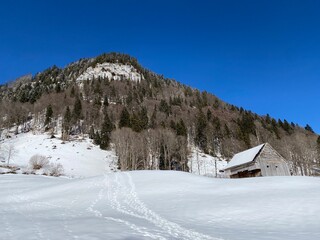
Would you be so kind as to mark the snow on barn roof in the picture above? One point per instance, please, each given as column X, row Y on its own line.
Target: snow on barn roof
column 245, row 156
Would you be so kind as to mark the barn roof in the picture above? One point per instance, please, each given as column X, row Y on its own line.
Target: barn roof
column 245, row 156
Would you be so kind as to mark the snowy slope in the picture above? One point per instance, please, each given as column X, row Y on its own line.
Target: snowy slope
column 159, row 205
column 115, row 71
column 204, row 164
column 79, row 158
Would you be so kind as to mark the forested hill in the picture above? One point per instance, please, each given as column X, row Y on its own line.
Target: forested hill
column 151, row 121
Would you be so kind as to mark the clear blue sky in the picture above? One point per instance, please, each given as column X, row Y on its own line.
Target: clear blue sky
column 263, row 55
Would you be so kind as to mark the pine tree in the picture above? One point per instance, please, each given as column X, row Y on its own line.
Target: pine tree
column 66, row 123
column 247, row 127
column 153, row 118
column 233, row 108
column 162, row 160
column 308, row 128
column 274, row 128
column 125, row 120
column 58, row 88
column 280, row 123
column 201, row 125
column 129, row 98
column 105, row 134
column 140, row 120
column 173, row 125
column 268, row 119
column 286, row 126
column 76, row 114
column 164, row 107
column 135, row 123
column 67, row 117
column 181, row 128
column 97, row 138
column 216, row 104
column 91, row 133
column 106, row 101
column 144, row 118
column 97, row 88
column 49, row 114
column 209, row 115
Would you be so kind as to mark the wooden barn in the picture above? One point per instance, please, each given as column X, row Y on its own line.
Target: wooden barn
column 259, row 161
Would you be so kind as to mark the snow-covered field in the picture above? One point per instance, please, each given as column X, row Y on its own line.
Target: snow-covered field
column 159, row 205
column 102, row 204
column 79, row 158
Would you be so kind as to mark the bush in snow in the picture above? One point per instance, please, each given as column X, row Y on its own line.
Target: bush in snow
column 37, row 162
column 56, row 169
column 40, row 162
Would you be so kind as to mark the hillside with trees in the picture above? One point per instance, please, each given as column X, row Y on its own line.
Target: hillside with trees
column 151, row 123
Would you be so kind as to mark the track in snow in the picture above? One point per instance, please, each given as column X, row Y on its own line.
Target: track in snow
column 121, row 196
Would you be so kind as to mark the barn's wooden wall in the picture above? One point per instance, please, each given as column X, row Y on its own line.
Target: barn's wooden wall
column 271, row 163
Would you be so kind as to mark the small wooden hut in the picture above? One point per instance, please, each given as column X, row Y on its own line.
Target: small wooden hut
column 259, row 161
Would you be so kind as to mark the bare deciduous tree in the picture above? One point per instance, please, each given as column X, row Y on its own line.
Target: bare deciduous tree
column 9, row 151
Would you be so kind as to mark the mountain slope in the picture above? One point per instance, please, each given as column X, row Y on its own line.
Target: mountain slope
column 153, row 122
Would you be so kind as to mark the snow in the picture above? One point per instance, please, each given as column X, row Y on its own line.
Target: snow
column 204, row 164
column 79, row 158
column 4, row 170
column 244, row 157
column 98, row 203
column 159, row 205
column 115, row 71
